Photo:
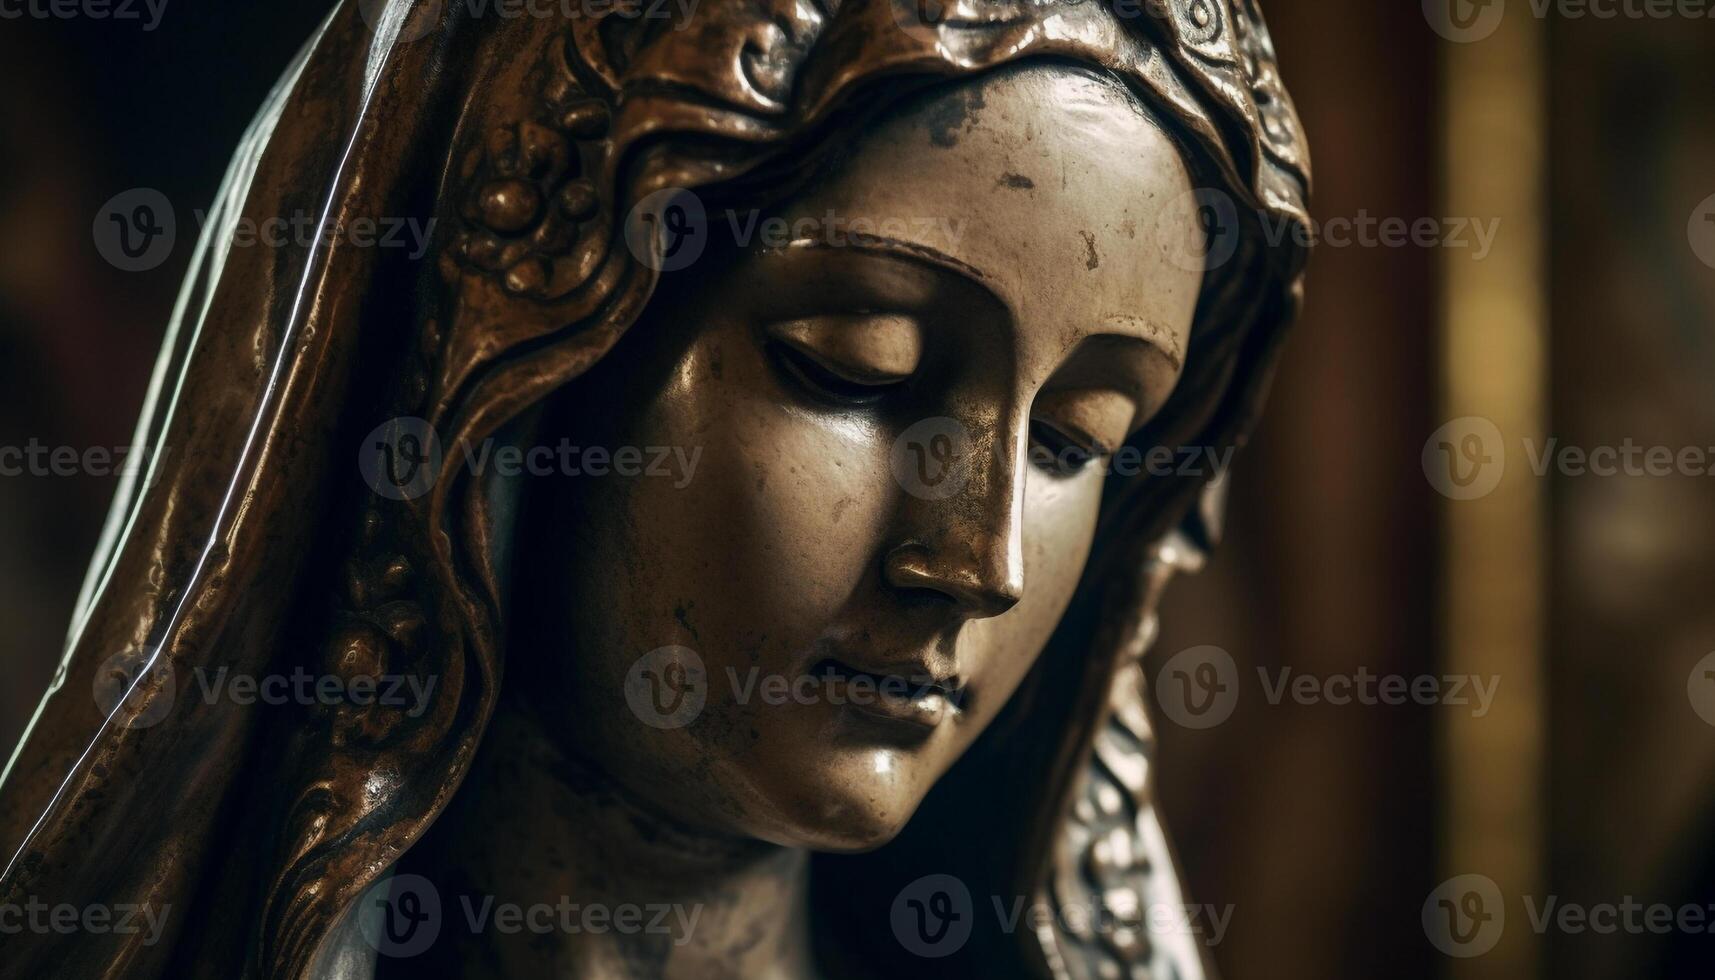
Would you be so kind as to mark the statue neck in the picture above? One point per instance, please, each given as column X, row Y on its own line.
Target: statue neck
column 546, row 868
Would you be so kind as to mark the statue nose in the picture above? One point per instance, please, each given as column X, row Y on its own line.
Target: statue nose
column 982, row 580
column 969, row 546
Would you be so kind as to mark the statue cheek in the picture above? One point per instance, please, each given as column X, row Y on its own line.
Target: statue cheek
column 1059, row 530
column 813, row 499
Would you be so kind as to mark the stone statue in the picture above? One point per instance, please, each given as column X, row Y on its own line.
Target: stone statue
column 728, row 552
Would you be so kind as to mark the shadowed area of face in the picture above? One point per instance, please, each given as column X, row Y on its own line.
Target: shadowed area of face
column 900, row 395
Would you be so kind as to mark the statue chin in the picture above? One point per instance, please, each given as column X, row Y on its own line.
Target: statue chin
column 830, row 823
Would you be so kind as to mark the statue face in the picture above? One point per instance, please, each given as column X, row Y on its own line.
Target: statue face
column 901, row 442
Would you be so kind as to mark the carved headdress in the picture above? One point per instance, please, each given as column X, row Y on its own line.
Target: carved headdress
column 253, row 545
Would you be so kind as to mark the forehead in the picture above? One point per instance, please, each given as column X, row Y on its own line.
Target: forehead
column 1052, row 186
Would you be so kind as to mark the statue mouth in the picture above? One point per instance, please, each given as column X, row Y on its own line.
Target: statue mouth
column 908, row 694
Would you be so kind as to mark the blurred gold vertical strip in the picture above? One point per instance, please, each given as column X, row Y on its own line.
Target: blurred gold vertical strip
column 1494, row 359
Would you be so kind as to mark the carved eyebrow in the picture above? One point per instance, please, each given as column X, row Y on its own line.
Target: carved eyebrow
column 1130, row 327
column 1125, row 329
column 1088, row 367
column 1114, row 326
column 883, row 245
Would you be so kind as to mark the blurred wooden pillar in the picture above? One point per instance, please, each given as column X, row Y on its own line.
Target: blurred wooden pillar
column 1493, row 357
column 1632, row 784
column 1313, row 823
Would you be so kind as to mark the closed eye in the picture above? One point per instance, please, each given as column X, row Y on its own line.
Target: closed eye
column 849, row 358
column 1054, row 451
column 824, row 380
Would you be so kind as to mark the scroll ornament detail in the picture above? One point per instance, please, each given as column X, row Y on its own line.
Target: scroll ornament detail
column 1112, row 869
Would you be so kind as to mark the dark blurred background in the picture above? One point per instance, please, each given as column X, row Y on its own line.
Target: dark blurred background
column 1326, row 829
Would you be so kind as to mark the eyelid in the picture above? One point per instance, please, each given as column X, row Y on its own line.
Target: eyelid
column 1079, row 413
column 1091, row 444
column 865, row 348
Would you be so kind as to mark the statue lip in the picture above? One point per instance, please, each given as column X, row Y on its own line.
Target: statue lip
column 907, row 691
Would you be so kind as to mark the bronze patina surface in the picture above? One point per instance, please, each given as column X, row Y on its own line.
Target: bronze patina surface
column 876, row 312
